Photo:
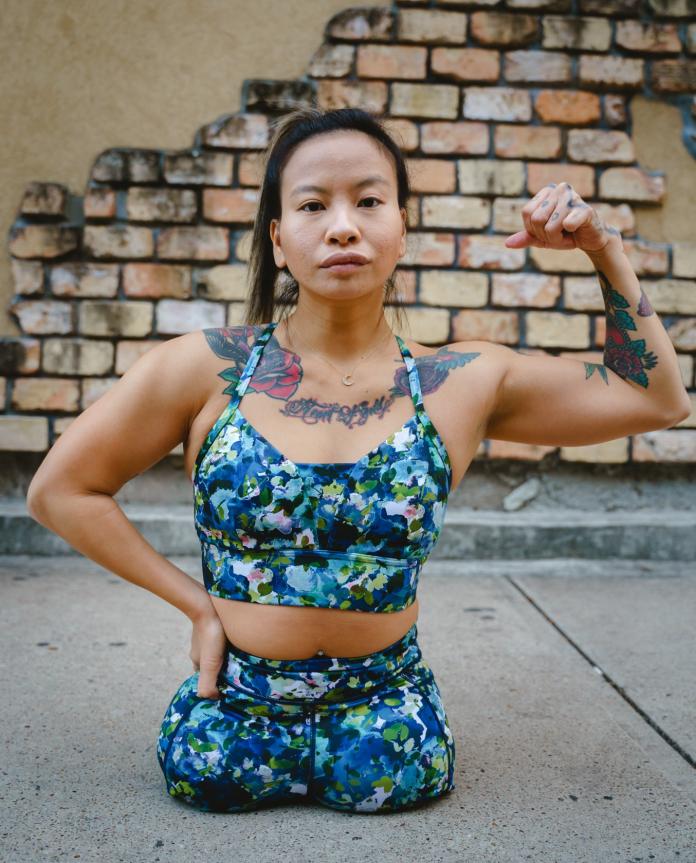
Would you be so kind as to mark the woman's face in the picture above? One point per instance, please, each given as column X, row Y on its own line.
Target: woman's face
column 339, row 194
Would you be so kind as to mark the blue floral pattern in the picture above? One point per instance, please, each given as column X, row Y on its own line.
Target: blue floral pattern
column 343, row 535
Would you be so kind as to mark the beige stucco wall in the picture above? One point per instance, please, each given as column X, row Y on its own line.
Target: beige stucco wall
column 80, row 76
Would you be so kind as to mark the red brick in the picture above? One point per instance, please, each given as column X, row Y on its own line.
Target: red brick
column 369, row 95
column 462, row 138
column 580, row 177
column 506, row 29
column 392, row 61
column 569, row 107
column 466, row 64
column 230, row 205
column 527, row 142
column 431, row 175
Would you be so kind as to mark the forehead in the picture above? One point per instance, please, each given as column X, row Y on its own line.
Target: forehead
column 337, row 159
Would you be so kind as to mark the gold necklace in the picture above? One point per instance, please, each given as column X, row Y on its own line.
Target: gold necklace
column 346, row 379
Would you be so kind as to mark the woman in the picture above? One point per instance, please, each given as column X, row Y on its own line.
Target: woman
column 316, row 504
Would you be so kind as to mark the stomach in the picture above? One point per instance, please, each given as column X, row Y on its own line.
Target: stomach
column 293, row 632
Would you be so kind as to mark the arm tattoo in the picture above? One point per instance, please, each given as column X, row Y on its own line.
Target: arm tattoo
column 629, row 359
column 596, row 367
column 280, row 372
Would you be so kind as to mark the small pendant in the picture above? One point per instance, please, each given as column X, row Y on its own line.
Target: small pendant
column 348, row 380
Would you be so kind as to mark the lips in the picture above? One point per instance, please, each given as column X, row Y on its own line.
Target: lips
column 344, row 258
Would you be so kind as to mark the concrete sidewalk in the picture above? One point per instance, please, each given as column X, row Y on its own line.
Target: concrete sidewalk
column 570, row 687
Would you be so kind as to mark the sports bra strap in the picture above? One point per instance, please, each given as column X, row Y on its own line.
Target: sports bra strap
column 258, row 346
column 251, row 363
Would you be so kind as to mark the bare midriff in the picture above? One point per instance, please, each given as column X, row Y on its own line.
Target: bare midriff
column 292, row 632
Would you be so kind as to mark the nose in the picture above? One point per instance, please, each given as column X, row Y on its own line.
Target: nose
column 342, row 224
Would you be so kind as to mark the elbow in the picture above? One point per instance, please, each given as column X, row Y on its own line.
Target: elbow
column 682, row 413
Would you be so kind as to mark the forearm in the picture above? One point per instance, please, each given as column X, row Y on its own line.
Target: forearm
column 637, row 346
column 95, row 525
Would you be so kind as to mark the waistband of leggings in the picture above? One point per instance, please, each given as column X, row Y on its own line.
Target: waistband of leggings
column 318, row 677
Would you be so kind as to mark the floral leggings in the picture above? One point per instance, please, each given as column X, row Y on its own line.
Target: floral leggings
column 360, row 734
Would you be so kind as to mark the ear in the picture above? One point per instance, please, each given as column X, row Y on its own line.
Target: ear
column 275, row 239
column 402, row 244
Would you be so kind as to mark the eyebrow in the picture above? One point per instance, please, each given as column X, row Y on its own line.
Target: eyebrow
column 366, row 182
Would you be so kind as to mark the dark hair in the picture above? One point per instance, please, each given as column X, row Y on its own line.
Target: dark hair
column 264, row 276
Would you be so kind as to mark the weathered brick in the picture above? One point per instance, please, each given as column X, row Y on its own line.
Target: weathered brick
column 362, row 24
column 412, row 212
column 434, row 26
column 597, row 146
column 504, row 29
column 404, row 132
column 466, row 64
column 431, row 175
column 331, row 61
column 671, row 296
column 425, row 100
column 209, row 169
column 682, row 334
column 265, row 96
column 673, row 76
column 27, row 276
column 567, row 107
column 600, row 327
column 345, row 93
column 122, row 318
column 684, row 259
column 549, row 67
column 674, row 445
column 497, row 103
column 230, row 205
column 118, row 241
column 236, row 314
column 455, row 211
column 583, row 293
column 490, row 176
column 518, row 451
column 244, row 130
column 178, row 316
column 118, row 165
column 156, row 280
column 690, row 421
column 426, row 325
column 43, row 316
column 392, row 61
column 199, row 243
column 80, row 279
column 691, row 39
column 242, row 245
column 405, row 287
column 607, row 452
column 614, row 109
column 250, row 169
column 100, row 203
column 23, row 433
column 631, row 184
column 429, row 249
column 48, row 394
column 507, row 215
column 19, row 355
column 576, row 33
column 490, row 326
column 560, row 260
column 686, row 368
column 525, row 289
column 224, row 282
column 626, row 72
column 452, row 288
column 558, row 329
column 93, row 389
column 648, row 36
column 145, row 204
column 646, row 258
column 45, row 199
column 580, row 177
column 527, row 142
column 77, row 357
column 42, row 241
column 128, row 353
column 440, row 137
column 489, row 252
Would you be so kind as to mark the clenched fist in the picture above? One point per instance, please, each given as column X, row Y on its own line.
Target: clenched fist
column 558, row 218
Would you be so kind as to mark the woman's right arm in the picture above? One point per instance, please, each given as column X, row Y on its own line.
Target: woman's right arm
column 137, row 422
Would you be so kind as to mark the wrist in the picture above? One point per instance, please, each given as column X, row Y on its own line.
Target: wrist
column 202, row 609
column 613, row 249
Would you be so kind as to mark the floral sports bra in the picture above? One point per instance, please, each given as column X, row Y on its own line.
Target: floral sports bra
column 343, row 535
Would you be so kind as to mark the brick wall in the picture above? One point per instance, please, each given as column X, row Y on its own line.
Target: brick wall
column 488, row 104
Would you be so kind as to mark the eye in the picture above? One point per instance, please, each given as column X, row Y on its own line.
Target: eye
column 311, row 203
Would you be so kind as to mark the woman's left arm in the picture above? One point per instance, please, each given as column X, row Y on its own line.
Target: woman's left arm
column 560, row 401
